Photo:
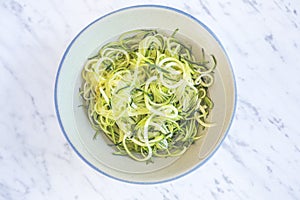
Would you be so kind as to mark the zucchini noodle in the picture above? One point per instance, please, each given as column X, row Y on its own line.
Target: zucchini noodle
column 148, row 94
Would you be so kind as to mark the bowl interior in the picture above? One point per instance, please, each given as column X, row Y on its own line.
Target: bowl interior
column 75, row 123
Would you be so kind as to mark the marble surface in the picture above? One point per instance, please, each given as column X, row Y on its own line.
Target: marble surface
column 260, row 158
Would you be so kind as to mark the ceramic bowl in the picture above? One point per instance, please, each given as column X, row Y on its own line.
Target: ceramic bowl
column 74, row 122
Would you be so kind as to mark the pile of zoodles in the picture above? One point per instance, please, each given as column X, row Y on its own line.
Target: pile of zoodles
column 148, row 94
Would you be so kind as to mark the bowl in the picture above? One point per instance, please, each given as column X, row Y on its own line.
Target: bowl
column 74, row 121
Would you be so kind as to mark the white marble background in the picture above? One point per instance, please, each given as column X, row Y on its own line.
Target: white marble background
column 260, row 158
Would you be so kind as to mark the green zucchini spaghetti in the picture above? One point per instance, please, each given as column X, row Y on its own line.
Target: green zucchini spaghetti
column 148, row 94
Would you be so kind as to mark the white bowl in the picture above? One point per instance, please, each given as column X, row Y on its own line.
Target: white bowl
column 74, row 122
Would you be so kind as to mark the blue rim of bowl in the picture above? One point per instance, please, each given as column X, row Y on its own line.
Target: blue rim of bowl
column 116, row 11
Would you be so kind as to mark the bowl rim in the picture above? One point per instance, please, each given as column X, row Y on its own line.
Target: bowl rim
column 111, row 13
